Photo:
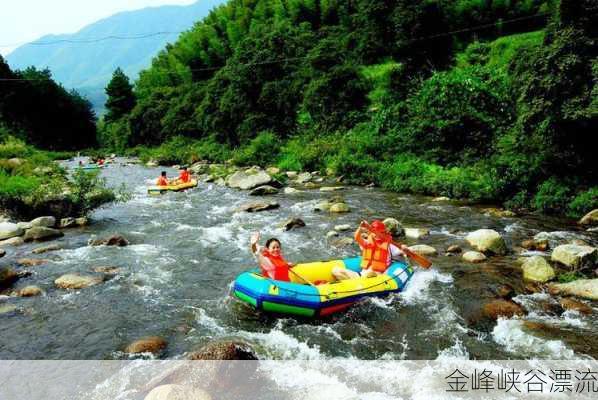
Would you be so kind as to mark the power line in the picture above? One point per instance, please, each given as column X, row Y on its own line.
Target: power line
column 94, row 40
column 282, row 60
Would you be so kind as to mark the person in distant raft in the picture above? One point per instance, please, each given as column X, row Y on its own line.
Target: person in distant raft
column 270, row 259
column 378, row 252
column 162, row 180
column 184, row 176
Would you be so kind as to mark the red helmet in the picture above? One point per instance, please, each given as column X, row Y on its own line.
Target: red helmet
column 378, row 226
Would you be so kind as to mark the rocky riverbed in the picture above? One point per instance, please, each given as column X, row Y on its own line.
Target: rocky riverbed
column 151, row 277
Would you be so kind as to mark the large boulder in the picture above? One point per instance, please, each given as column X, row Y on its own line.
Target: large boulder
column 393, row 226
column 474, row 257
column 423, row 250
column 114, row 240
column 586, row 288
column 152, row 344
column 416, row 233
column 47, row 222
column 7, row 277
column 177, row 392
column 256, row 207
column 41, row 233
column 224, row 350
column 263, row 190
column 537, row 269
column 304, row 177
column 9, row 230
column 590, row 219
column 248, row 179
column 502, row 308
column 575, row 256
column 487, row 241
column 76, row 281
column 339, row 208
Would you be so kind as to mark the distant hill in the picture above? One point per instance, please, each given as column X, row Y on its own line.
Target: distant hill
column 88, row 67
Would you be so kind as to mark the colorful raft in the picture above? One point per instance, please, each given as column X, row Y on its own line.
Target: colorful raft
column 92, row 167
column 298, row 298
column 172, row 188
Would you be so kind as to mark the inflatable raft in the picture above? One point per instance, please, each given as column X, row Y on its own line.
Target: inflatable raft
column 172, row 188
column 92, row 167
column 328, row 297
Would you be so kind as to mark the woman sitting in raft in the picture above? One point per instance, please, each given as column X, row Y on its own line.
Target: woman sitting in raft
column 378, row 252
column 184, row 176
column 162, row 180
column 270, row 259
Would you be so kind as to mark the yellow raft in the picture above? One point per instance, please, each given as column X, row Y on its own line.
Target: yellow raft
column 172, row 188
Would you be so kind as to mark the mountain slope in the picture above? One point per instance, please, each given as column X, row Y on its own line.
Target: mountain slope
column 89, row 66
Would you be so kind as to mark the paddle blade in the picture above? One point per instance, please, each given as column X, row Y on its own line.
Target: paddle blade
column 419, row 259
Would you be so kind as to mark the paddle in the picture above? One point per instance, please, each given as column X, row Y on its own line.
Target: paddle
column 420, row 260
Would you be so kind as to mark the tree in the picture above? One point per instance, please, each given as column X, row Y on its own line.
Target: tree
column 121, row 99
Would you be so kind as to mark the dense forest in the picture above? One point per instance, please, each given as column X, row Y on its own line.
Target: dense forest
column 489, row 100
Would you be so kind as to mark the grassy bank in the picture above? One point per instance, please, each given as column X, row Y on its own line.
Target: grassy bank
column 32, row 184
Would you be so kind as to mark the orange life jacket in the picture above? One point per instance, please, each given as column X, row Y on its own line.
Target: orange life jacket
column 375, row 255
column 185, row 176
column 162, row 181
column 280, row 271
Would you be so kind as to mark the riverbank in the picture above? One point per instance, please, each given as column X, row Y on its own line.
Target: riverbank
column 166, row 290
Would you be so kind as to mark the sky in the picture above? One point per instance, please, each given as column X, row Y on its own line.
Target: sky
column 23, row 21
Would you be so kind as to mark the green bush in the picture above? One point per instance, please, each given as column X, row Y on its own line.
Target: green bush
column 13, row 187
column 569, row 277
column 552, row 197
column 262, row 150
column 583, row 203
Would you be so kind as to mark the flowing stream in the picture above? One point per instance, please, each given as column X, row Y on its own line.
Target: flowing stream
column 187, row 248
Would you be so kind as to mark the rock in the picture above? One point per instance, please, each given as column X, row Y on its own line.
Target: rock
column 107, row 270
column 586, row 288
column 7, row 308
column 15, row 162
column 152, row 344
column 29, row 291
column 498, row 213
column 487, row 241
column 199, row 168
column 250, row 179
column 537, row 269
column 177, row 392
column 151, row 164
column 593, row 230
column 310, row 185
column 41, row 233
column 331, row 234
column 263, row 190
column 47, row 222
column 474, row 257
column 574, row 305
column 290, row 190
column 82, row 221
column 15, row 241
column 67, row 223
column 454, row 249
column 273, row 170
column 24, row 225
column 31, row 262
column 291, row 174
column 342, row 242
column 342, row 228
column 416, row 233
column 322, row 206
column 574, row 256
column 533, row 244
column 303, row 177
column 9, row 230
column 505, row 291
column 394, row 227
column 331, row 188
column 502, row 308
column 533, row 287
column 292, row 223
column 7, row 277
column 256, row 207
column 114, row 240
column 224, row 350
column 590, row 219
column 441, row 198
column 45, row 249
column 220, row 182
column 339, row 208
column 423, row 250
column 76, row 281
column 2, row 253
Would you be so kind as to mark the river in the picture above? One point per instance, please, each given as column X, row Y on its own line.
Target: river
column 187, row 248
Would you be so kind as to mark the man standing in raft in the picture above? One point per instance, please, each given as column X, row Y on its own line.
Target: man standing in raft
column 270, row 259
column 378, row 252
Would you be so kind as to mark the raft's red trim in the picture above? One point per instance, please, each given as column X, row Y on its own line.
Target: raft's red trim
column 333, row 309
